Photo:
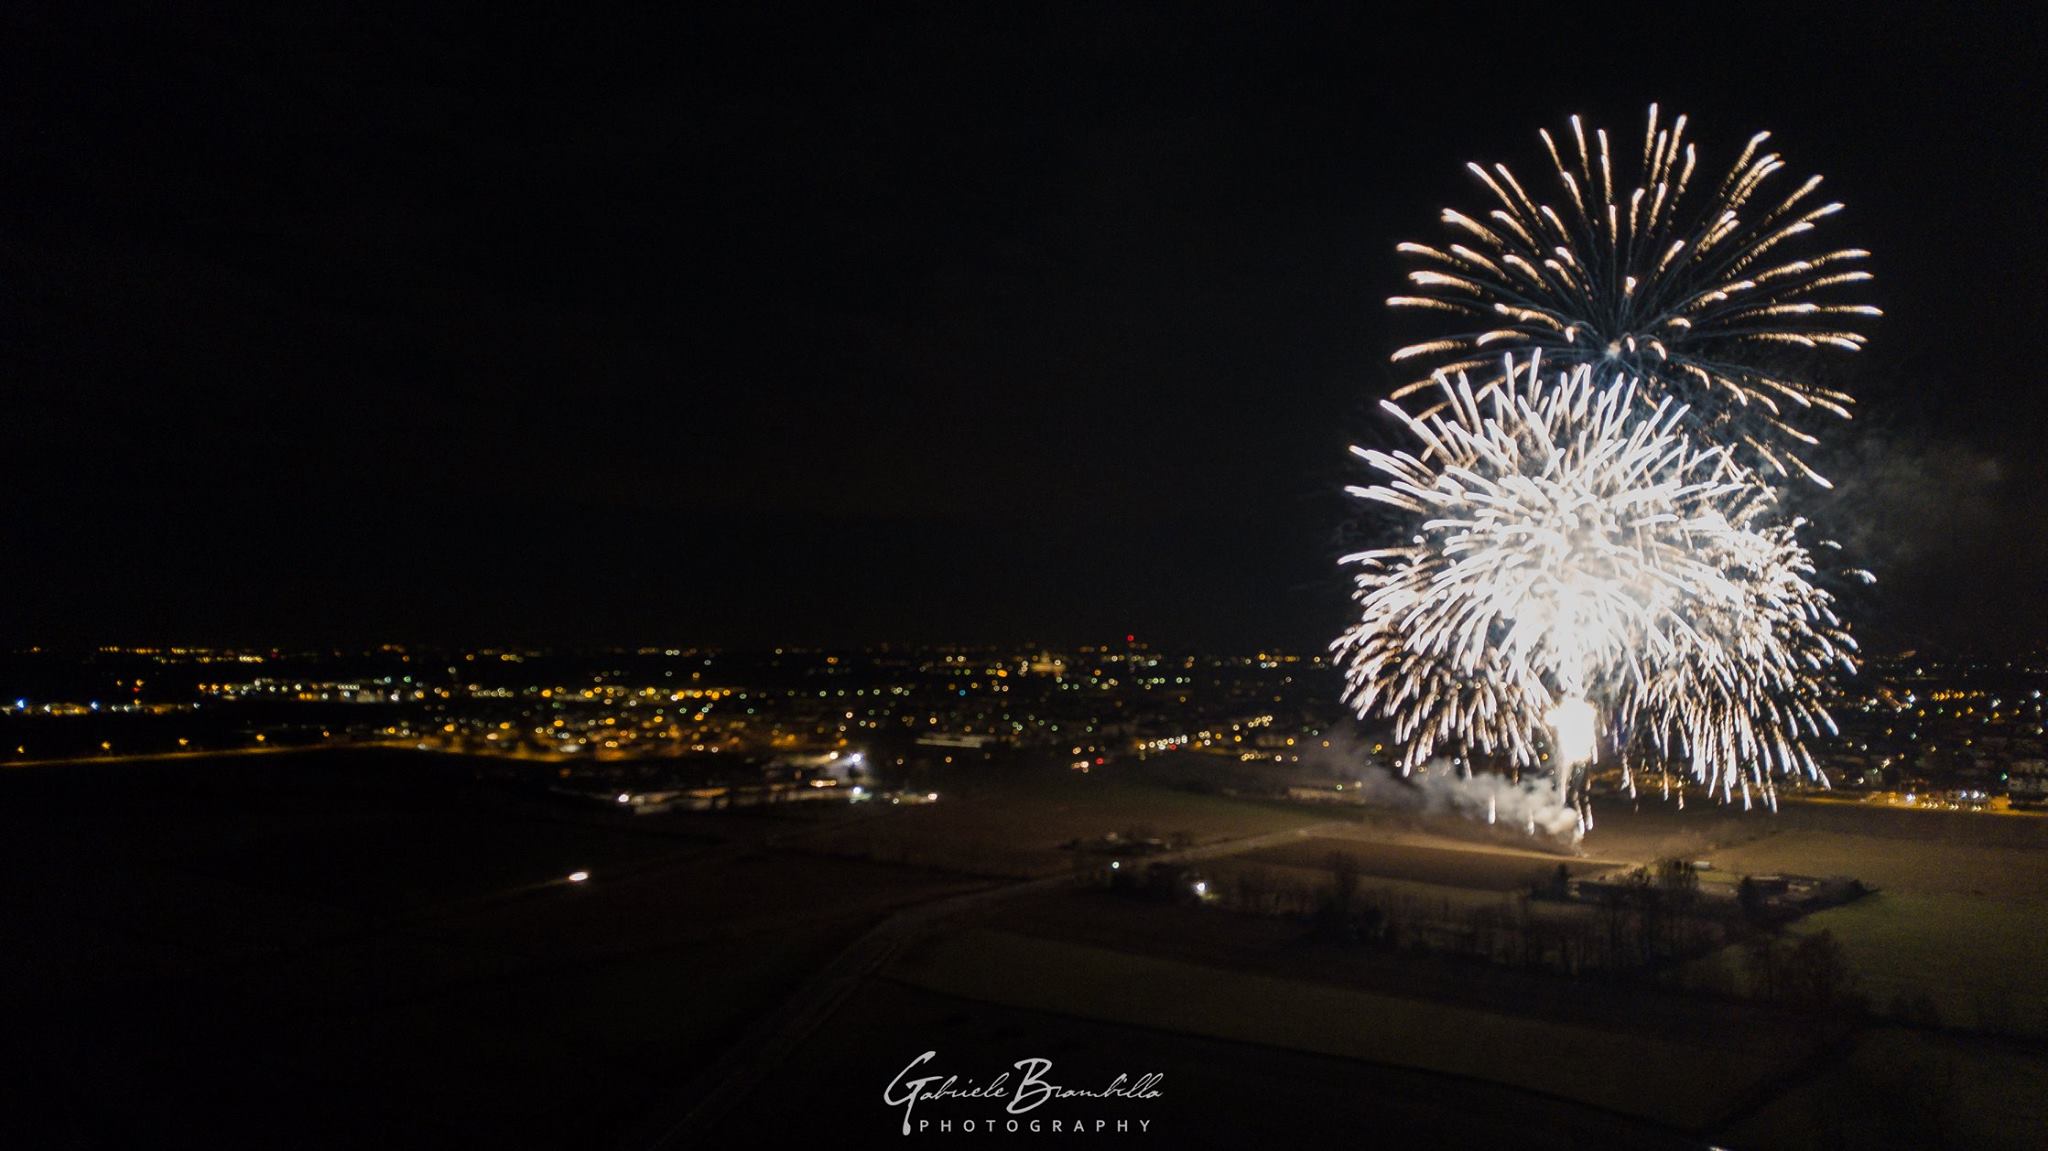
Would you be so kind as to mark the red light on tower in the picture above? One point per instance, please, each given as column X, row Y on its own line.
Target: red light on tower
column 1130, row 638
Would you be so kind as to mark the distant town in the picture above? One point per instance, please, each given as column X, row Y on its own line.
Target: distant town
column 697, row 728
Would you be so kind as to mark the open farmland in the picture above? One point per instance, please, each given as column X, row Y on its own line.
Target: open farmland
column 1977, row 961
column 1909, row 1089
column 1462, row 866
column 340, row 943
column 1216, row 1094
column 1917, row 866
column 1577, row 1062
column 1954, row 920
column 1980, row 960
column 1014, row 823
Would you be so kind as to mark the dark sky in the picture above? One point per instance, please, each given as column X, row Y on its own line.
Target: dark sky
column 959, row 322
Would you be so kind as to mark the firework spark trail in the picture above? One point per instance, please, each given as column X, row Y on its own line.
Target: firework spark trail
column 1688, row 295
column 1568, row 542
column 1741, row 694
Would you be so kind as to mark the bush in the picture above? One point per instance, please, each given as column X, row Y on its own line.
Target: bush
column 1917, row 1009
column 1750, row 898
column 1817, row 976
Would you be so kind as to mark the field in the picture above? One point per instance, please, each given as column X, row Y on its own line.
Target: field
column 339, row 948
column 353, row 947
column 1529, row 1054
column 1466, row 867
column 1216, row 1093
column 1915, row 866
column 1958, row 922
column 1955, row 918
column 1012, row 823
column 1900, row 1088
column 1978, row 961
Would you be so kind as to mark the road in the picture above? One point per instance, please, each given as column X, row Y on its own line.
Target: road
column 1899, row 801
column 161, row 756
column 697, row 1108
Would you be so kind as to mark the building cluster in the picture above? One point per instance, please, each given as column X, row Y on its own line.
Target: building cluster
column 1083, row 706
column 1925, row 731
column 1915, row 730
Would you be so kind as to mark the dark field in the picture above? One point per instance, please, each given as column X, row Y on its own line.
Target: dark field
column 346, row 948
column 353, row 948
column 1011, row 822
column 1471, row 868
column 1280, row 948
column 1215, row 1093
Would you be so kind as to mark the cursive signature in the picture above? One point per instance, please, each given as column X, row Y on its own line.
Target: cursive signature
column 1032, row 1087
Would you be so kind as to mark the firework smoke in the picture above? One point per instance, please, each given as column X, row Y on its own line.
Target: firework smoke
column 1440, row 787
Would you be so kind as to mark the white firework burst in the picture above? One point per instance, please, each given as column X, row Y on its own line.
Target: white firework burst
column 1569, row 545
column 1742, row 689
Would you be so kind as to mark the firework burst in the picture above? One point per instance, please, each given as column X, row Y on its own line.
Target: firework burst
column 1692, row 295
column 1571, row 547
column 1741, row 689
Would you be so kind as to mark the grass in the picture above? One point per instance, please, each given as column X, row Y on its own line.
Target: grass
column 1957, row 921
column 1913, row 866
column 1904, row 1089
column 1472, row 868
column 1012, row 824
column 1979, row 959
column 1670, row 1081
column 347, row 946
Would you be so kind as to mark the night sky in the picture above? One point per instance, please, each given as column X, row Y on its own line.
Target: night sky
column 964, row 322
